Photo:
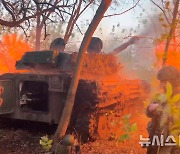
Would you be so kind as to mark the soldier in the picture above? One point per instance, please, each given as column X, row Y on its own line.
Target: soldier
column 58, row 44
column 156, row 111
column 96, row 45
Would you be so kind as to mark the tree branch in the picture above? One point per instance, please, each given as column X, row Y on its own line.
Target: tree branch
column 162, row 11
column 23, row 30
column 18, row 22
column 5, row 4
column 91, row 1
column 117, row 14
column 79, row 29
column 172, row 30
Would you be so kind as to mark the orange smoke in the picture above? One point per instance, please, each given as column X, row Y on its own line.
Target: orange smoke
column 173, row 57
column 12, row 48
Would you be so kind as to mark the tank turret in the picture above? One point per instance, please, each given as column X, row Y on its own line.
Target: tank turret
column 44, row 59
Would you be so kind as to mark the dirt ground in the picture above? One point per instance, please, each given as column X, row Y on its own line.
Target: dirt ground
column 20, row 137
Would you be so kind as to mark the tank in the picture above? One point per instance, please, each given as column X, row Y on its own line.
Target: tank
column 37, row 91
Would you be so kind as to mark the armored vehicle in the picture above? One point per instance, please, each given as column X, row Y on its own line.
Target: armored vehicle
column 37, row 91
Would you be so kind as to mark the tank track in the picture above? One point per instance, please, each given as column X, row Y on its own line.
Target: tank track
column 100, row 124
column 86, row 125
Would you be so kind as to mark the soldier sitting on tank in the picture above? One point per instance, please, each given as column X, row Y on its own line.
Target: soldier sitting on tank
column 58, row 44
column 96, row 45
column 157, row 112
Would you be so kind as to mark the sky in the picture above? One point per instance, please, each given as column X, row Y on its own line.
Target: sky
column 127, row 20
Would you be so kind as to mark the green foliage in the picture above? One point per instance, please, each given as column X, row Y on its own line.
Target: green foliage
column 125, row 137
column 126, row 117
column 127, row 128
column 170, row 110
column 165, row 19
column 167, row 4
column 175, row 98
column 133, row 127
column 168, row 90
column 46, row 143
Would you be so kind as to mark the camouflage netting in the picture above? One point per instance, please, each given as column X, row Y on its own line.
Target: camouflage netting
column 104, row 72
column 99, row 65
column 101, row 80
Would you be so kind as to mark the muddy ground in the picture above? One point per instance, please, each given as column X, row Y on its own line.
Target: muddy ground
column 20, row 137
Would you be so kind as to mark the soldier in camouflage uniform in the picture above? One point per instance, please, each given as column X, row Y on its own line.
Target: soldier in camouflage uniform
column 155, row 111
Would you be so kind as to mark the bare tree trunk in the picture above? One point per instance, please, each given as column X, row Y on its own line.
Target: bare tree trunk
column 172, row 30
column 72, row 21
column 39, row 27
column 74, row 17
column 65, row 118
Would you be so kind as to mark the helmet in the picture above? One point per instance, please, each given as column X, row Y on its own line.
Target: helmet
column 168, row 73
column 68, row 140
column 57, row 44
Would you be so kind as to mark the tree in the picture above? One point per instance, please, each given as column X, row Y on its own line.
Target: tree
column 65, row 118
column 74, row 15
column 169, row 19
column 24, row 13
column 172, row 30
column 39, row 14
column 41, row 19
